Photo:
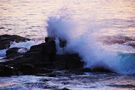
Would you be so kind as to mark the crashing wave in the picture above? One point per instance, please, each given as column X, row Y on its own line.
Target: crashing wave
column 88, row 48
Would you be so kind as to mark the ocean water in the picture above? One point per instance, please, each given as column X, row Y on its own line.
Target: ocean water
column 72, row 82
column 28, row 18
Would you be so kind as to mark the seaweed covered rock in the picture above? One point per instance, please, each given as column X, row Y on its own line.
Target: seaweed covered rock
column 5, row 40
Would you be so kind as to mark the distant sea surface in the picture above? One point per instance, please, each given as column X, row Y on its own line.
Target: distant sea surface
column 28, row 18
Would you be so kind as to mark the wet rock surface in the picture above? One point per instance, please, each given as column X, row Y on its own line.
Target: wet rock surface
column 6, row 40
column 15, row 52
column 42, row 59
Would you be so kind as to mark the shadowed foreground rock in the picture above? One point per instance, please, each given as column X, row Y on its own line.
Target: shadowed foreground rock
column 40, row 59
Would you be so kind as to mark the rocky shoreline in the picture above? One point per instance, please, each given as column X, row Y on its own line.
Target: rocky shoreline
column 40, row 59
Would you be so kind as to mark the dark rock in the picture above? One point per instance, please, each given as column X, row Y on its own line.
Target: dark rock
column 65, row 89
column 36, row 48
column 86, row 70
column 48, row 39
column 42, row 58
column 27, row 69
column 42, row 70
column 97, row 69
column 45, row 51
column 5, row 40
column 12, row 53
column 68, row 61
column 6, row 70
column 49, row 49
column 63, row 43
column 51, row 75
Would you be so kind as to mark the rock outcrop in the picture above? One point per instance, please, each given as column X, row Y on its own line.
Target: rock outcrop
column 6, row 40
column 40, row 59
